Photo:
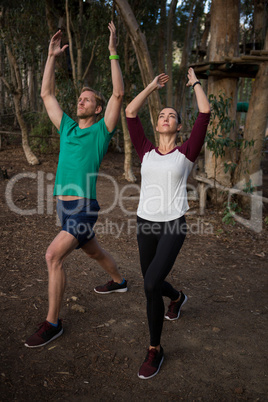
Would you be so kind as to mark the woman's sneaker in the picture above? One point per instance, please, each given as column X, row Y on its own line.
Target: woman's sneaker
column 111, row 287
column 151, row 364
column 174, row 309
column 45, row 334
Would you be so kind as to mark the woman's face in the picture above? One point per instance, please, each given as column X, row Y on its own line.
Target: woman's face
column 168, row 121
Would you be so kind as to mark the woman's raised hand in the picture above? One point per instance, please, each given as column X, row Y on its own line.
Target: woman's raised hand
column 160, row 80
column 191, row 77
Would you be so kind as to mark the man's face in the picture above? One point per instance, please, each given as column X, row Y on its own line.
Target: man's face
column 86, row 105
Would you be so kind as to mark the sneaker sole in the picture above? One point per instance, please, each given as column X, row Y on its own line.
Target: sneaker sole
column 111, row 291
column 43, row 344
column 179, row 312
column 151, row 376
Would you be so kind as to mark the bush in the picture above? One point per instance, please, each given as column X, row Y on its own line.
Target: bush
column 43, row 136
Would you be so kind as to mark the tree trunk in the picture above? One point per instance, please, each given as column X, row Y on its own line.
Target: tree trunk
column 128, row 173
column 78, row 42
column 50, row 10
column 260, row 23
column 32, row 88
column 70, row 39
column 196, row 10
column 162, row 37
column 170, row 23
column 203, row 51
column 17, row 94
column 31, row 158
column 250, row 157
column 2, row 95
column 223, row 43
column 139, row 43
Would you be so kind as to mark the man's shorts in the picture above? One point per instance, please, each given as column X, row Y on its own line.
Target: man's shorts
column 78, row 217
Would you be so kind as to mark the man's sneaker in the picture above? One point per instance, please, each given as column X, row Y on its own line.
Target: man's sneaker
column 111, row 287
column 174, row 309
column 45, row 334
column 151, row 364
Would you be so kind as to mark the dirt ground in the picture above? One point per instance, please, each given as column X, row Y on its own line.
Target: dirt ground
column 216, row 351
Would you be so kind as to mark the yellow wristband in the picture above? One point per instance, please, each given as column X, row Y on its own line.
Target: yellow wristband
column 114, row 57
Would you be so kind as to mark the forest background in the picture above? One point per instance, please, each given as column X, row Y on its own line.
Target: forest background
column 217, row 350
column 226, row 43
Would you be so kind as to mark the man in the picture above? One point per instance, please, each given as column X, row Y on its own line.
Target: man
column 82, row 148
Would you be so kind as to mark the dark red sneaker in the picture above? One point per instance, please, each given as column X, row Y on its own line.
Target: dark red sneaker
column 174, row 309
column 151, row 364
column 45, row 334
column 111, row 287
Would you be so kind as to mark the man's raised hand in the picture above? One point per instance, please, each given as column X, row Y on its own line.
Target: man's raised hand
column 55, row 45
column 112, row 40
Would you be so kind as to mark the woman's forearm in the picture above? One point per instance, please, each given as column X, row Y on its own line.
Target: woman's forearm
column 135, row 105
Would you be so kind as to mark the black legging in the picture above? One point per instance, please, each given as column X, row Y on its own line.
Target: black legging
column 159, row 244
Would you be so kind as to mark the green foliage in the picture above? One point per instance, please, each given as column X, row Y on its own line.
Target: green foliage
column 40, row 135
column 230, row 210
column 218, row 135
column 217, row 143
column 248, row 188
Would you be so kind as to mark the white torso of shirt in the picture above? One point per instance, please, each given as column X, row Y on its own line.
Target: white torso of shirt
column 163, row 187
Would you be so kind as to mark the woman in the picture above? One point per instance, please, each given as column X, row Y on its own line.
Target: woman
column 163, row 203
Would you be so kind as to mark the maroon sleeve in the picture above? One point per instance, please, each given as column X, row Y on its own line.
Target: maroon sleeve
column 192, row 147
column 140, row 142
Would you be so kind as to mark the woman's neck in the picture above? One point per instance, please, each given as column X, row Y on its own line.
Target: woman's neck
column 166, row 144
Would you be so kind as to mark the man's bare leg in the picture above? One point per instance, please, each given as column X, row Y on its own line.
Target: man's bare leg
column 106, row 261
column 63, row 244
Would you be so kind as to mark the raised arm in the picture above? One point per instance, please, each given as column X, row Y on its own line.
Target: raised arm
column 202, row 100
column 134, row 106
column 48, row 83
column 113, row 108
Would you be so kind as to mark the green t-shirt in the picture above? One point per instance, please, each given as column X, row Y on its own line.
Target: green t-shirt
column 81, row 153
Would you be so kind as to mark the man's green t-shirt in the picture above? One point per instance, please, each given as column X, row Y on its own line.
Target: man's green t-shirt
column 81, row 153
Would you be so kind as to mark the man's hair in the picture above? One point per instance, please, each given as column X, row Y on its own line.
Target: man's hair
column 100, row 100
column 170, row 107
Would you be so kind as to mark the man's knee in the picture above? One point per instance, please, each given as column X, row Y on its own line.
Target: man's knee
column 51, row 256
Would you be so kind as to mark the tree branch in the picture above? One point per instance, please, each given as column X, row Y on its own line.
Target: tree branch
column 91, row 59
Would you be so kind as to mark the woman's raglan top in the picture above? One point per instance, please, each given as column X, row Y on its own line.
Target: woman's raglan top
column 163, row 195
column 81, row 153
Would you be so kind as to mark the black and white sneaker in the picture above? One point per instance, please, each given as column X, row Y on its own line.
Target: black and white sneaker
column 111, row 287
column 45, row 334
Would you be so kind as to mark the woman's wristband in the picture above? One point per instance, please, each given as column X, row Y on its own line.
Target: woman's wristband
column 196, row 82
column 114, row 57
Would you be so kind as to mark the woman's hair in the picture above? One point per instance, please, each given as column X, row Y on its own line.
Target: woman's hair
column 100, row 100
column 177, row 113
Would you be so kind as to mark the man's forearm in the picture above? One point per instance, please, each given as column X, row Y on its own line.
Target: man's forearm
column 117, row 79
column 48, row 82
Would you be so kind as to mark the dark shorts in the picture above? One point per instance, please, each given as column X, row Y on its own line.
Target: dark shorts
column 78, row 217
